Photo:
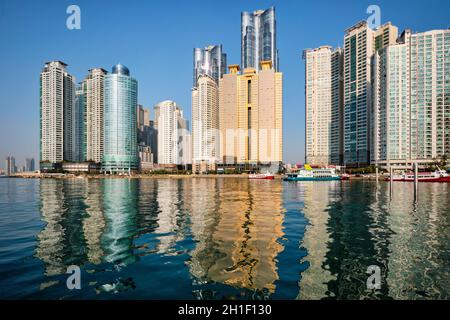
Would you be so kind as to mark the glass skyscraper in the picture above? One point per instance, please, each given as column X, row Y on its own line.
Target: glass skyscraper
column 258, row 38
column 211, row 61
column 120, row 122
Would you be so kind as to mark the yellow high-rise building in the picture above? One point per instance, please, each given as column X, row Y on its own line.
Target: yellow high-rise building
column 251, row 116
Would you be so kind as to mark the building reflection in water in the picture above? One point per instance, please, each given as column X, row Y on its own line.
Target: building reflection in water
column 94, row 223
column 61, row 242
column 232, row 231
column 316, row 197
column 359, row 239
column 120, row 203
column 237, row 232
column 171, row 215
column 356, row 224
column 417, row 260
column 345, row 235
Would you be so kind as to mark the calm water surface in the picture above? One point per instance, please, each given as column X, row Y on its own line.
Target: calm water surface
column 223, row 238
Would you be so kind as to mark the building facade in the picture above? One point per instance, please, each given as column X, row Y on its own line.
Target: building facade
column 391, row 106
column 205, row 124
column 29, row 164
column 10, row 165
column 430, row 94
column 80, row 129
column 258, row 38
column 120, row 122
column 211, row 61
column 360, row 44
column 323, row 101
column 172, row 130
column 145, row 158
column 251, row 117
column 146, row 138
column 143, row 124
column 94, row 105
column 412, row 100
column 57, row 119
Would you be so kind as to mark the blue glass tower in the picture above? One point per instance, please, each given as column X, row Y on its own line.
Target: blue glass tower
column 258, row 38
column 120, row 128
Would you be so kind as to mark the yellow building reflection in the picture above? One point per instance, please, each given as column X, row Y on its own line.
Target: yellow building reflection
column 94, row 223
column 237, row 232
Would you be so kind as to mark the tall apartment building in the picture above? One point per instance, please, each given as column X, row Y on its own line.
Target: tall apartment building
column 360, row 44
column 57, row 119
column 211, row 61
column 205, row 124
column 10, row 165
column 146, row 138
column 143, row 123
column 258, row 38
column 80, row 129
column 412, row 100
column 430, row 94
column 172, row 131
column 324, row 112
column 155, row 133
column 120, row 122
column 251, row 116
column 29, row 164
column 94, row 104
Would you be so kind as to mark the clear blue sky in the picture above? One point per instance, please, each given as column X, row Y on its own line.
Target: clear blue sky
column 155, row 40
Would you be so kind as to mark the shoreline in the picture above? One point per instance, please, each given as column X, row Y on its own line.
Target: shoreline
column 158, row 176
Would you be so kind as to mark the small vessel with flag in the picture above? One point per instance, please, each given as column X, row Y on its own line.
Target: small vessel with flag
column 313, row 174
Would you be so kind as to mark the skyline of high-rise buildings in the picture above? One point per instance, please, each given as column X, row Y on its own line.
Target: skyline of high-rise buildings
column 331, row 34
column 356, row 98
column 12, row 168
column 396, row 99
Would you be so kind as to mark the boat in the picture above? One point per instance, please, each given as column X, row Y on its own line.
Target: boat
column 436, row 176
column 345, row 176
column 262, row 176
column 313, row 174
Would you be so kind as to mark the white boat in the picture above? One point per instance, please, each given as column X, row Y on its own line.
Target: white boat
column 437, row 176
column 313, row 174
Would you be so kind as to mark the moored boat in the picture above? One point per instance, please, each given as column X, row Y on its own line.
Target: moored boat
column 319, row 174
column 262, row 176
column 437, row 176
